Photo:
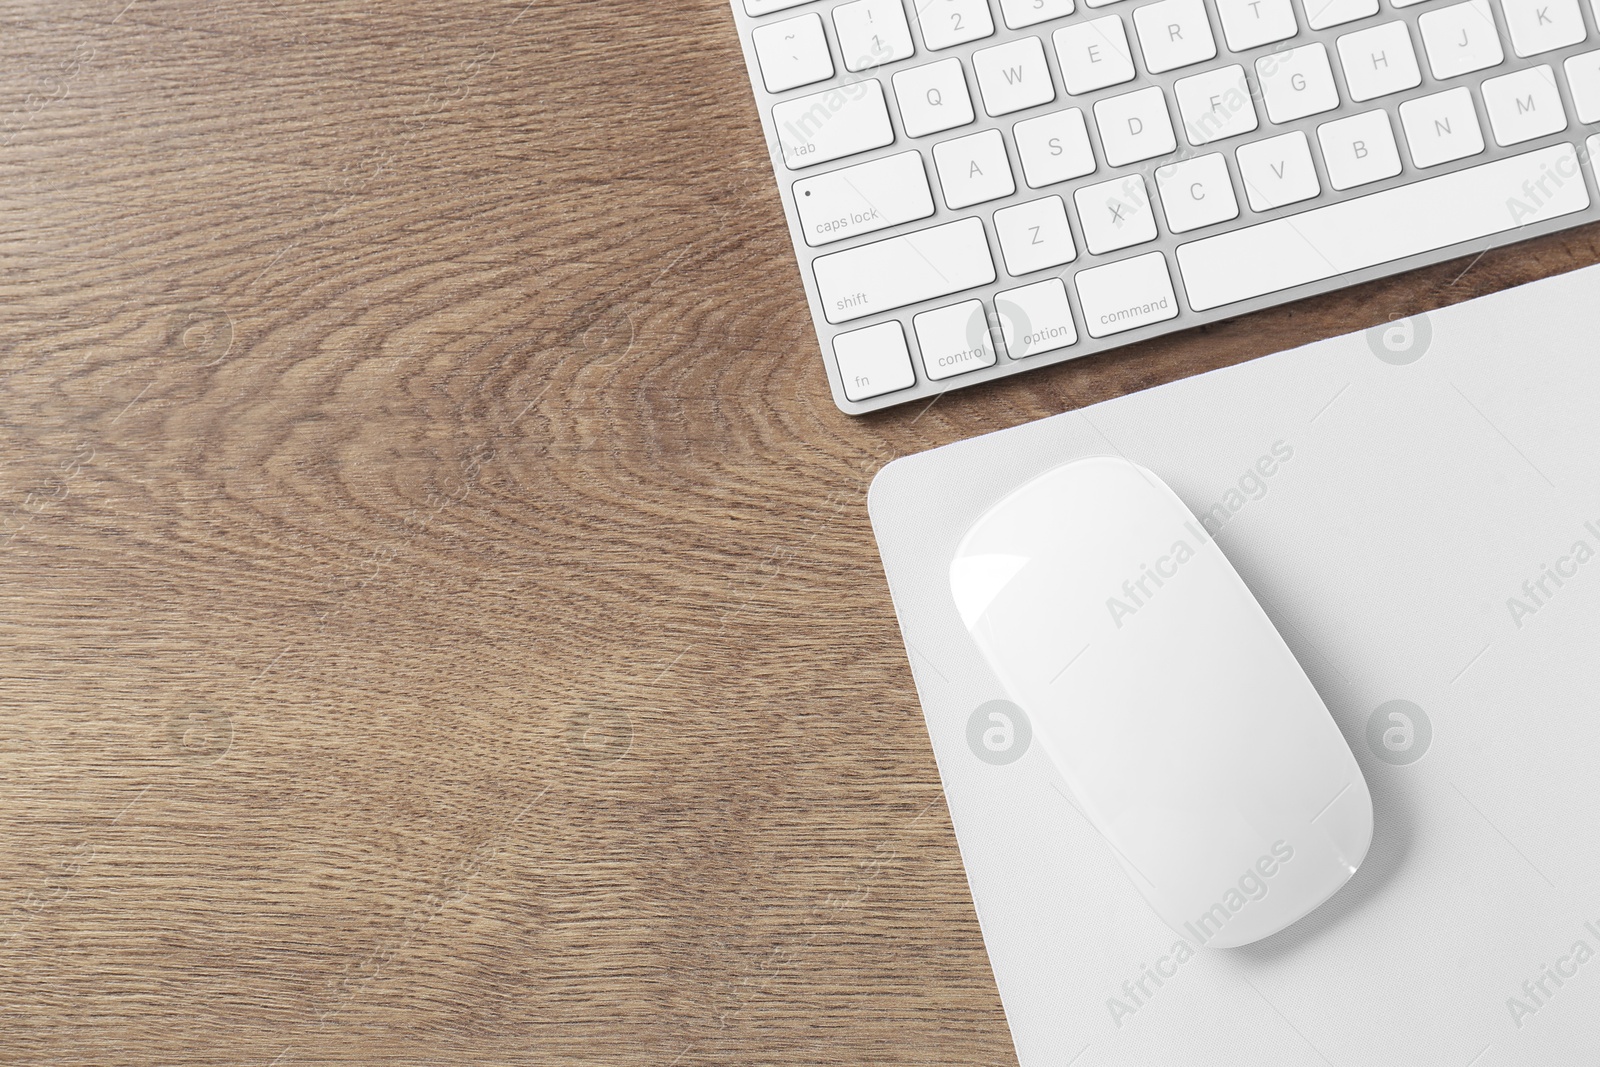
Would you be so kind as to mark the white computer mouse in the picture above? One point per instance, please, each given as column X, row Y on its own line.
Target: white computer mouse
column 1185, row 729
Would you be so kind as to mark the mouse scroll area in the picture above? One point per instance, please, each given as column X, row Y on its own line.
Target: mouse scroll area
column 1169, row 704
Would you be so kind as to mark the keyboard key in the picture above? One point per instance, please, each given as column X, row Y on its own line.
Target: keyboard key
column 1583, row 78
column 908, row 269
column 1115, row 214
column 831, row 125
column 1460, row 39
column 1320, row 14
column 933, row 98
column 1382, row 227
column 1013, row 77
column 1093, row 54
column 1020, row 14
column 1523, row 105
column 1441, row 127
column 947, row 23
column 1359, row 150
column 1054, row 148
column 1036, row 318
column 1297, row 83
column 1278, row 171
column 1215, row 105
column 1542, row 25
column 767, row 7
column 974, row 169
column 874, row 361
column 1173, row 34
column 1249, row 23
column 792, row 53
column 1034, row 236
column 1126, row 295
column 1378, row 61
column 1135, row 126
column 1196, row 192
column 1100, row 3
column 871, row 33
column 954, row 340
column 863, row 198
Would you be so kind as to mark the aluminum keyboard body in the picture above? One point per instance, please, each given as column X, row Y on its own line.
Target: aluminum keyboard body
column 1053, row 217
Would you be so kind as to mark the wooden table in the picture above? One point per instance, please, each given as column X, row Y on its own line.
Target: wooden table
column 441, row 623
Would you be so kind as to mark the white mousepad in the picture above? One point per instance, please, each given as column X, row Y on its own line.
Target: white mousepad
column 1417, row 507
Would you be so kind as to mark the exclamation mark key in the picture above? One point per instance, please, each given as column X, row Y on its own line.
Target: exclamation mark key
column 872, row 33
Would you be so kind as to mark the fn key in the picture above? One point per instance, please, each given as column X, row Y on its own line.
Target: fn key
column 874, row 361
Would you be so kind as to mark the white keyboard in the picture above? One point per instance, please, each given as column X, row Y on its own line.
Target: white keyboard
column 977, row 187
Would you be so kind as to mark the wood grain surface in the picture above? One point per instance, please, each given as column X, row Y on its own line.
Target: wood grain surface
column 440, row 619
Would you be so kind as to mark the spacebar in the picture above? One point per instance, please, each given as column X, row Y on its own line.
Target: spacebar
column 1382, row 227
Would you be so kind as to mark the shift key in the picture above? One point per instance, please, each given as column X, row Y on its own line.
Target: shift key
column 903, row 270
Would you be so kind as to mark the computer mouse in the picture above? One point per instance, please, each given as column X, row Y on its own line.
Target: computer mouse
column 1180, row 721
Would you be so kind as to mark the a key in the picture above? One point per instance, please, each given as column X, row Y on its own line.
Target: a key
column 1215, row 105
column 954, row 340
column 1196, row 192
column 1115, row 214
column 1124, row 296
column 830, row 125
column 1036, row 318
column 973, row 169
column 1297, row 83
column 1542, row 25
column 1359, row 150
column 1378, row 61
column 1250, row 23
column 874, row 361
column 1013, row 77
column 1093, row 54
column 1583, row 78
column 933, row 98
column 1523, row 105
column 1277, row 171
column 871, row 33
column 1320, row 14
column 908, row 269
column 1135, row 126
column 792, row 53
column 1460, row 39
column 860, row 199
column 1020, row 14
column 1441, row 127
column 1383, row 227
column 947, row 23
column 1173, row 34
column 1034, row 236
column 1054, row 148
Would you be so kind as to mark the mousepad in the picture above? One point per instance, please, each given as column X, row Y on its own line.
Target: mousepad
column 1417, row 507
